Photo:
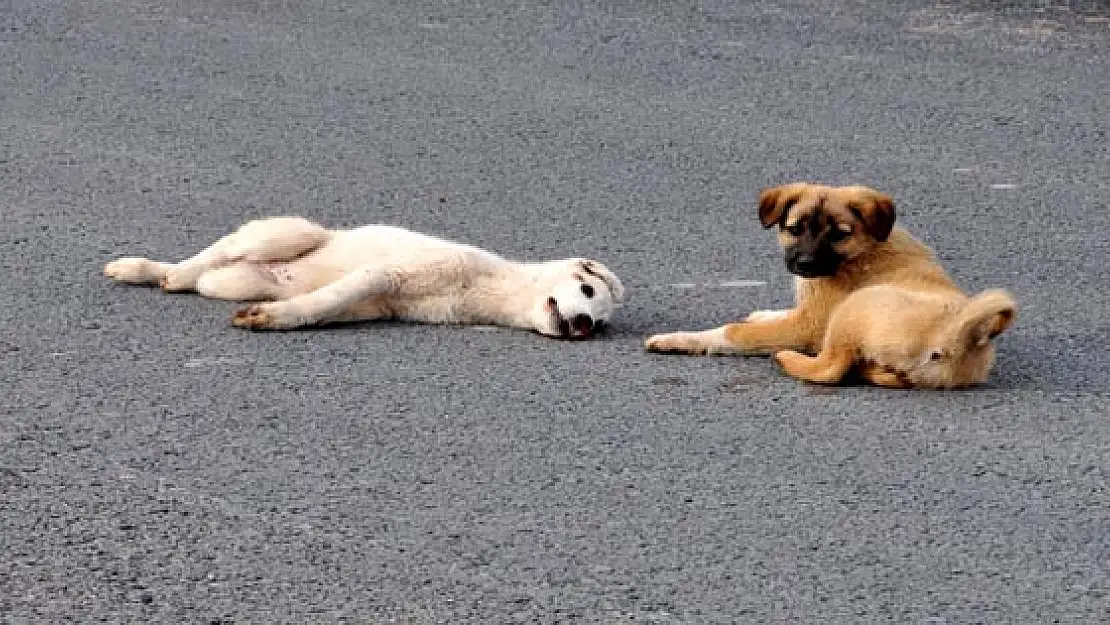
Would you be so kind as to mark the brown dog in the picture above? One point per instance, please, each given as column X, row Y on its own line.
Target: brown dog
column 870, row 299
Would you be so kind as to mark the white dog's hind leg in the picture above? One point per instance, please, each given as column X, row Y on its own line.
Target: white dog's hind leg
column 276, row 238
column 133, row 270
column 261, row 240
column 240, row 282
column 184, row 275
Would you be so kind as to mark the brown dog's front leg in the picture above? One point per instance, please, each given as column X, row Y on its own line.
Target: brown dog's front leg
column 794, row 331
column 749, row 338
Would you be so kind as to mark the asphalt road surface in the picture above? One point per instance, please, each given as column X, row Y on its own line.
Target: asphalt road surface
column 158, row 465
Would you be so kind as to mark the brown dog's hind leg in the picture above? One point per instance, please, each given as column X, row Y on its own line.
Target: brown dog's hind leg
column 828, row 367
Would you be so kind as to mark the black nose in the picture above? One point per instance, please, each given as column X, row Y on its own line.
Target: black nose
column 805, row 263
column 582, row 323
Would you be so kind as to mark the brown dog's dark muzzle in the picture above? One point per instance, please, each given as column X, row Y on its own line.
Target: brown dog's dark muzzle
column 807, row 263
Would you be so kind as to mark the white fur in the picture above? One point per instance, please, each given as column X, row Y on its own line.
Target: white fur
column 312, row 275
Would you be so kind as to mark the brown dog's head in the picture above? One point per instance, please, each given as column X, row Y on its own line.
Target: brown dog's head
column 820, row 227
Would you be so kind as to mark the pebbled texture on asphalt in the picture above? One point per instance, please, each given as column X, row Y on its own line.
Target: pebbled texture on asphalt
column 158, row 466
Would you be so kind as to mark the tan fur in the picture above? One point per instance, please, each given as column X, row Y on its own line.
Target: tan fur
column 312, row 275
column 889, row 313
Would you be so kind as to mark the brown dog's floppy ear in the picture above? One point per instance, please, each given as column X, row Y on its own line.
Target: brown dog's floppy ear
column 876, row 211
column 775, row 202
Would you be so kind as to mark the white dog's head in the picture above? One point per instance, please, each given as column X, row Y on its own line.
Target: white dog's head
column 577, row 298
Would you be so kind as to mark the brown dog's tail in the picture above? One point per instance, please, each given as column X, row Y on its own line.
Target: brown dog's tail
column 982, row 318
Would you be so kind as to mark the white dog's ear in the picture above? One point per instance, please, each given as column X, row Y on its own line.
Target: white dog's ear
column 602, row 272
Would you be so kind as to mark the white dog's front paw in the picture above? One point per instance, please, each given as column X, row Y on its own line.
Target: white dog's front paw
column 767, row 315
column 266, row 316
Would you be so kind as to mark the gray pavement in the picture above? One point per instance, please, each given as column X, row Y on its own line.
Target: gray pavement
column 157, row 465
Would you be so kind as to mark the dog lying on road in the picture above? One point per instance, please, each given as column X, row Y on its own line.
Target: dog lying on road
column 870, row 299
column 303, row 274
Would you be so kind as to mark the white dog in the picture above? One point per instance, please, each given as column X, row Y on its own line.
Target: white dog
column 311, row 275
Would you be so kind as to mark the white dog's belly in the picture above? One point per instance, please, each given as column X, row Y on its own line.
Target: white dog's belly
column 295, row 277
column 280, row 273
column 434, row 309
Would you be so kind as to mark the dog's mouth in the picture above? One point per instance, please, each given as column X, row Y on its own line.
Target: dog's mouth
column 580, row 326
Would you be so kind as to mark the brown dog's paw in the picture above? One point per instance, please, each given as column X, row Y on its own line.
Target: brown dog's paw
column 254, row 317
column 675, row 343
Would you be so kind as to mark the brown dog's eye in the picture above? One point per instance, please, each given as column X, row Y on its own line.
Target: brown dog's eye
column 587, row 290
column 796, row 228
